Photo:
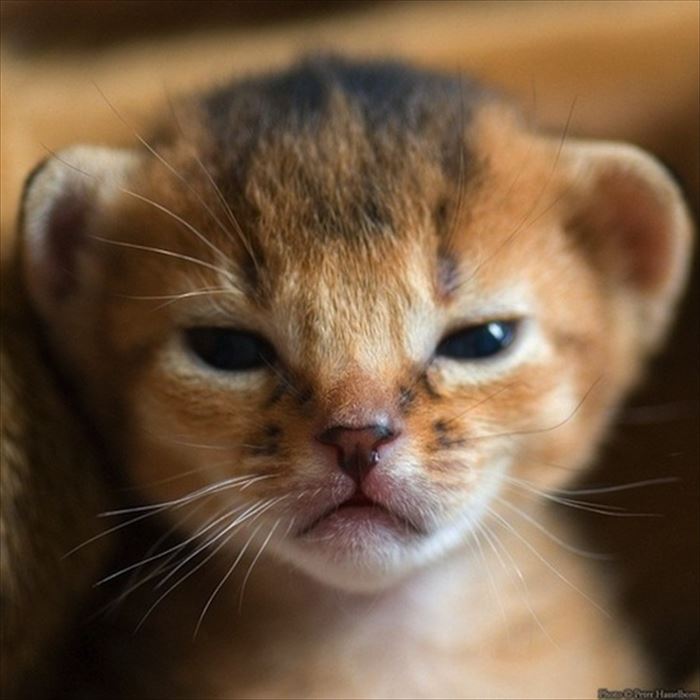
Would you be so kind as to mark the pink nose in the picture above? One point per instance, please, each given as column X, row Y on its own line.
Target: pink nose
column 358, row 449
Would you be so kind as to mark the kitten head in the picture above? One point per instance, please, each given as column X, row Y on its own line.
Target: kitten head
column 339, row 310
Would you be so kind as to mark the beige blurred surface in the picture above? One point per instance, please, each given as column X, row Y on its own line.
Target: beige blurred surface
column 622, row 70
column 631, row 67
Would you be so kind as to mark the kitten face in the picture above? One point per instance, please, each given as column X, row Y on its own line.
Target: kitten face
column 343, row 344
column 355, row 326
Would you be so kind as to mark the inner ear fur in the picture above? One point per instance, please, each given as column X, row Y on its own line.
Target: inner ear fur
column 62, row 201
column 629, row 217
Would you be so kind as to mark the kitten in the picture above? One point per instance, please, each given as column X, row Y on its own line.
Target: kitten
column 351, row 328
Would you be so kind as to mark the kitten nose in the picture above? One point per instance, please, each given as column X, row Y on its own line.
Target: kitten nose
column 358, row 449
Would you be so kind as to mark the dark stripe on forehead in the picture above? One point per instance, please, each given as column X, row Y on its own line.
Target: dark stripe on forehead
column 384, row 92
column 334, row 149
column 382, row 114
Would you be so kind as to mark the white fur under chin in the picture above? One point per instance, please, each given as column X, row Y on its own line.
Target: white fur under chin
column 370, row 567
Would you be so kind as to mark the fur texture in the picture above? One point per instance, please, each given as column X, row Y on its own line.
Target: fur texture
column 354, row 215
column 53, row 487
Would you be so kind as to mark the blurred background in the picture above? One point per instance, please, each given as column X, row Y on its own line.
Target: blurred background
column 624, row 70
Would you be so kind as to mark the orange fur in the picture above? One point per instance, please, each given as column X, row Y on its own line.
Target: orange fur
column 338, row 264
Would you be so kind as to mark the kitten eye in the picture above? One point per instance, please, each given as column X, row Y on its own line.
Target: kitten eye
column 229, row 350
column 480, row 341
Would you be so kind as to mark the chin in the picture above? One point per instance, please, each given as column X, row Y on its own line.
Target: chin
column 359, row 554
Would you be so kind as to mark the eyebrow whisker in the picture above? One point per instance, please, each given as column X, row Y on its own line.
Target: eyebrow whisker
column 168, row 253
column 168, row 165
column 220, row 196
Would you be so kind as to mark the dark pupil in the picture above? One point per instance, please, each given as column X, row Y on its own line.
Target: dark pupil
column 227, row 349
column 478, row 341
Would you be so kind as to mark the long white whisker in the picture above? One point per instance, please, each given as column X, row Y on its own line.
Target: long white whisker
column 600, row 509
column 617, row 487
column 252, row 564
column 549, row 428
column 478, row 403
column 131, row 584
column 220, row 195
column 208, row 526
column 236, row 225
column 224, row 579
column 569, row 547
column 162, row 160
column 553, row 569
column 170, row 299
column 180, row 220
column 170, row 254
column 230, row 529
column 253, row 511
column 175, row 297
column 491, row 535
column 289, row 527
column 149, row 510
column 109, row 531
column 492, row 581
column 525, row 222
column 212, row 488
column 174, row 477
column 520, row 483
column 196, row 261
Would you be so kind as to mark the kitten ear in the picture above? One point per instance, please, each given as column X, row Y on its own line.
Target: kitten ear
column 62, row 202
column 631, row 220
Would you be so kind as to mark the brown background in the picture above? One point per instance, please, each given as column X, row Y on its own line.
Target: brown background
column 630, row 67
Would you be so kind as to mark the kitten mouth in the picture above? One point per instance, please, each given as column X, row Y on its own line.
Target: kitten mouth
column 358, row 500
column 360, row 507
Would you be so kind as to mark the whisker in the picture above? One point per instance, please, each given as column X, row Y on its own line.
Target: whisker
column 289, row 527
column 168, row 253
column 198, row 566
column 202, row 446
column 220, row 196
column 253, row 511
column 175, row 477
column 254, row 562
column 151, row 510
column 288, row 385
column 131, row 585
column 457, row 214
column 208, row 526
column 173, row 297
column 569, row 547
column 162, row 251
column 536, row 431
column 186, row 440
column 553, row 569
column 180, row 220
column 521, row 170
column 223, row 580
column 109, row 531
column 212, row 488
column 490, row 535
column 236, row 225
column 525, row 221
column 599, row 508
column 614, row 488
column 531, row 488
column 256, row 480
column 479, row 403
column 492, row 581
column 170, row 299
column 171, row 169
